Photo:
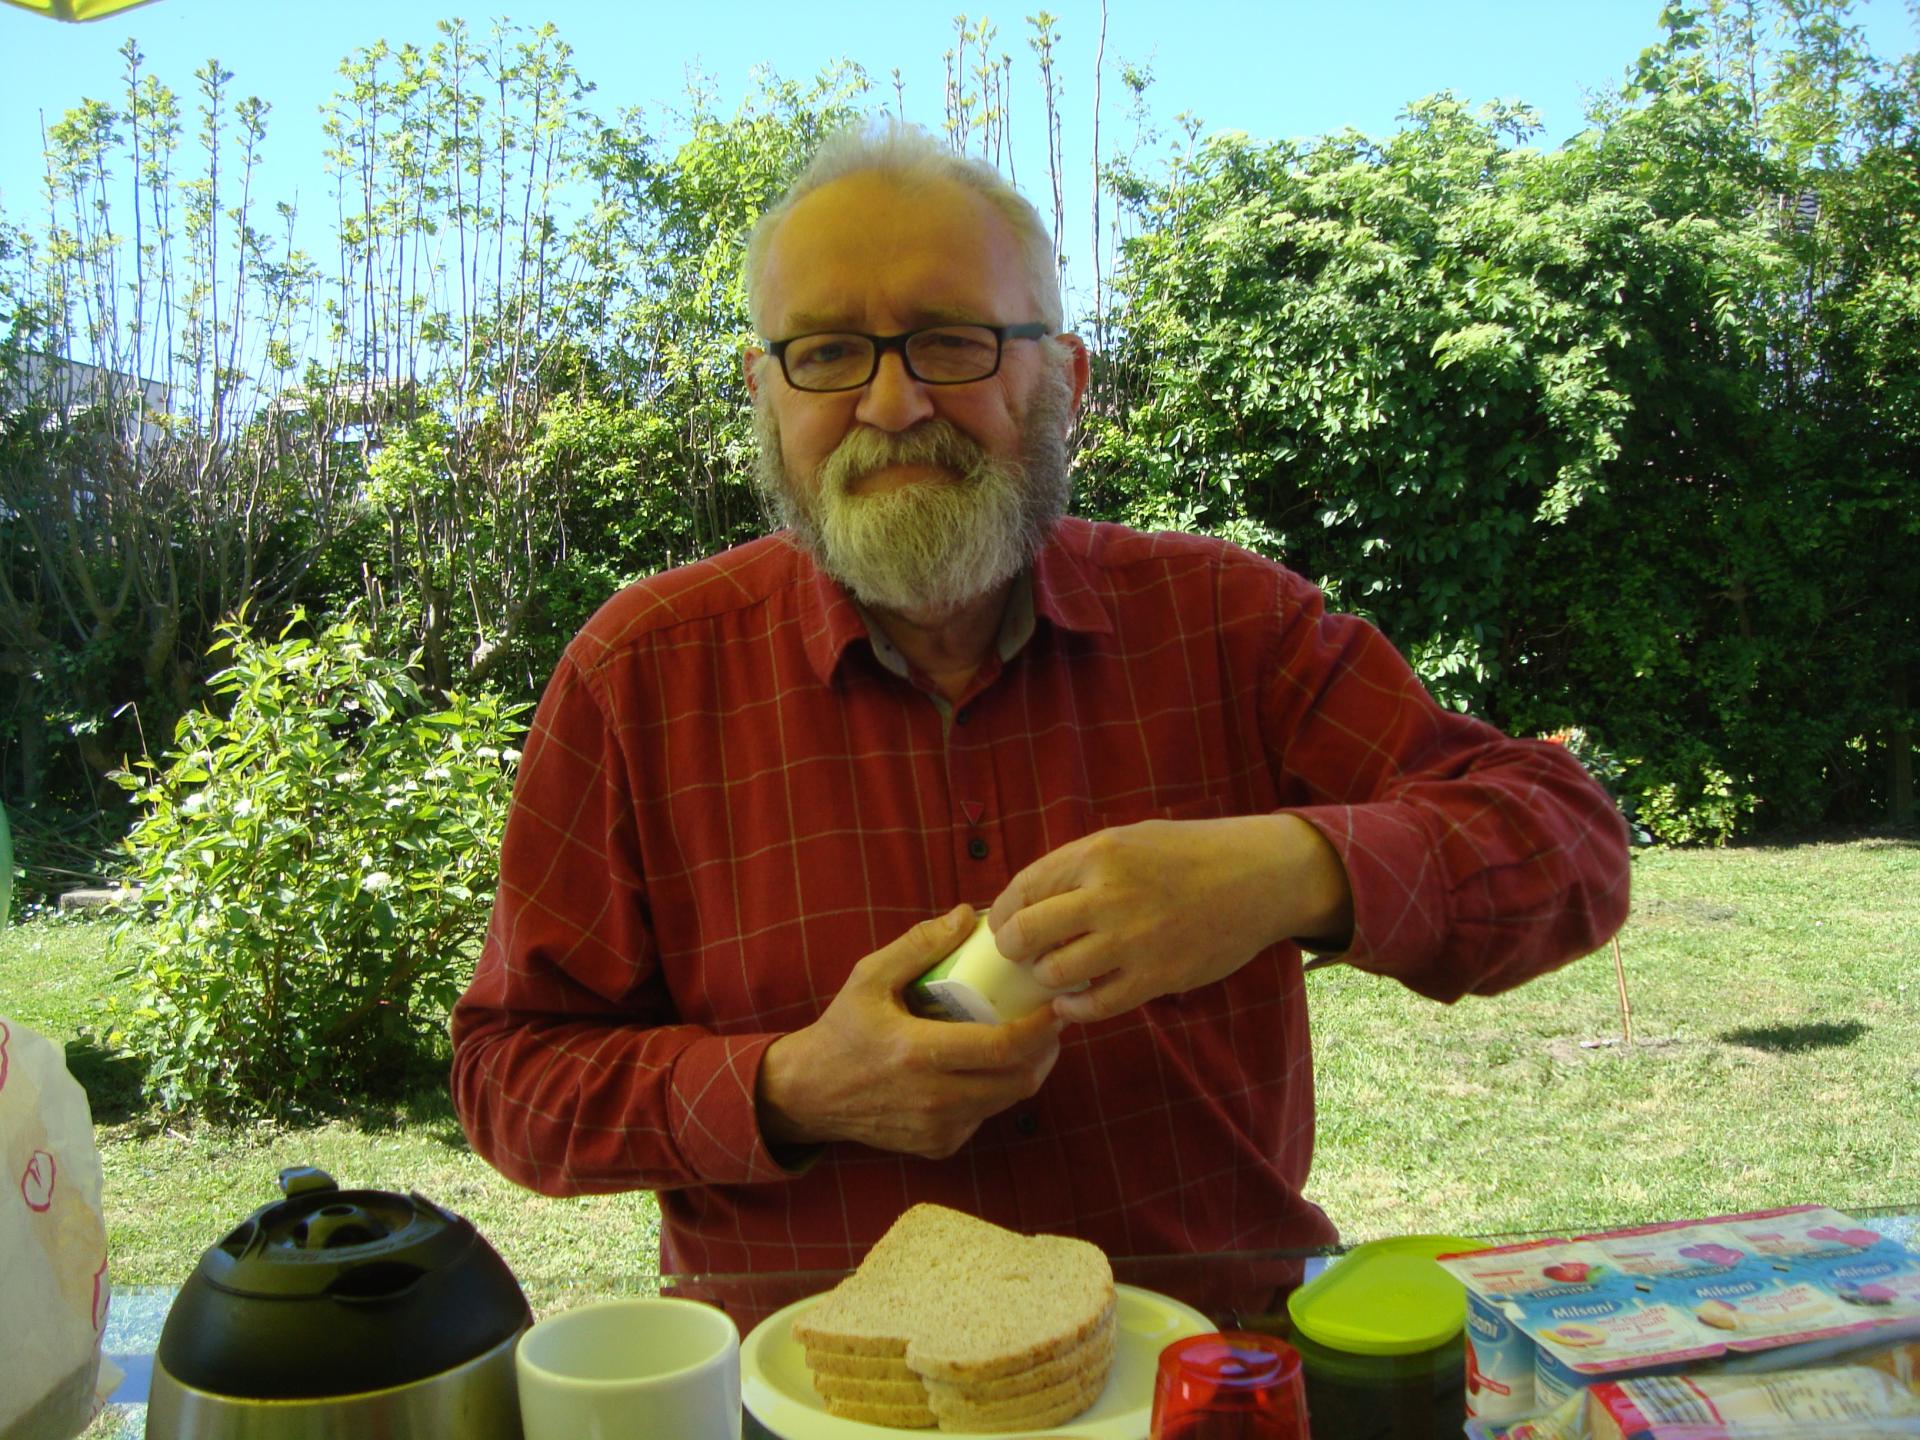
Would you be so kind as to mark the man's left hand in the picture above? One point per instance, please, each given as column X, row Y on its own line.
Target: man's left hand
column 1165, row 906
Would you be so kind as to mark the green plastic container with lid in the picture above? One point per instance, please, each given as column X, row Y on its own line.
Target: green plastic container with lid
column 1380, row 1333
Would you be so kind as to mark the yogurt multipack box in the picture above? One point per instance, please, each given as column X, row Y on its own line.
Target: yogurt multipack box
column 1547, row 1318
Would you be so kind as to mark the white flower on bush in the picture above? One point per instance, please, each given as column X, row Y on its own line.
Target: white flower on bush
column 376, row 882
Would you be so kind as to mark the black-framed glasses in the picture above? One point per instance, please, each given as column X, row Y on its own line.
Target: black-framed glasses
column 933, row 355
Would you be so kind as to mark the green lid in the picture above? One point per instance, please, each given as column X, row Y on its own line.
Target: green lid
column 1386, row 1297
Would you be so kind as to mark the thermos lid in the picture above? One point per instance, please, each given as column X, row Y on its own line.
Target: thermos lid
column 321, row 1237
column 336, row 1292
column 1386, row 1297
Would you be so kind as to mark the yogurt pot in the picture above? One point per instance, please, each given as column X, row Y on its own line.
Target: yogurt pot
column 1554, row 1381
column 976, row 983
column 1501, row 1363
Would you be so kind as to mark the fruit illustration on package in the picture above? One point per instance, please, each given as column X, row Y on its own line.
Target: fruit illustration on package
column 1854, row 1239
column 1575, row 1335
column 1572, row 1272
column 1718, row 1314
column 1868, row 1294
column 1710, row 1254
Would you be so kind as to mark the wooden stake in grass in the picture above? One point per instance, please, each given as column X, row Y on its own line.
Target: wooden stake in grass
column 1626, row 1010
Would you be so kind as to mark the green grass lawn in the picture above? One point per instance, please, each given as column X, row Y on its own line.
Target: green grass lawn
column 172, row 1191
column 1776, row 1059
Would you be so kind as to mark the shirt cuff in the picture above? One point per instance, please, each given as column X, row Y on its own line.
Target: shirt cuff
column 713, row 1119
column 1399, row 889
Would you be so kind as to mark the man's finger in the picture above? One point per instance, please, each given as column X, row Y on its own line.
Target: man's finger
column 900, row 962
column 1044, row 923
column 1101, row 1000
column 959, row 1047
column 1054, row 873
column 1076, row 960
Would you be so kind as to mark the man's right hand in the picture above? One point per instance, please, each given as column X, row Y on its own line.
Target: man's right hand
column 870, row 1071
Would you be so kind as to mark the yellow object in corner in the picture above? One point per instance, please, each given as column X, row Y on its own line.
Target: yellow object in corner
column 76, row 9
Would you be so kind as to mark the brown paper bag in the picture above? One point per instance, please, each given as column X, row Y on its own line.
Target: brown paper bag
column 53, row 1245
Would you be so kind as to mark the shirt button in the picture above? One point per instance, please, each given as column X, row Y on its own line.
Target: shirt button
column 977, row 848
column 963, row 715
column 1027, row 1123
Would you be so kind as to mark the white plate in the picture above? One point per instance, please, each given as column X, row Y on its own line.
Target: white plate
column 777, row 1388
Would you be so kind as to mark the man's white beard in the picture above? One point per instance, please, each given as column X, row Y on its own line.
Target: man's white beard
column 926, row 549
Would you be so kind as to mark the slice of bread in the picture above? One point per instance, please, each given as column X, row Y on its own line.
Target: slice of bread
column 995, row 1331
column 872, row 1392
column 1092, row 1353
column 903, row 1405
column 1035, row 1411
column 832, row 1364
column 963, row 1300
column 898, row 1417
column 860, row 1367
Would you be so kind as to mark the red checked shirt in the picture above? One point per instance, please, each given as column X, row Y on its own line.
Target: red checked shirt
column 732, row 791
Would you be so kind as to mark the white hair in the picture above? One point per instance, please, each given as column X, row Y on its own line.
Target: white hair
column 912, row 158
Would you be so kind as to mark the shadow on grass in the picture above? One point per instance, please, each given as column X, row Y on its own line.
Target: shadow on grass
column 425, row 1112
column 1685, row 908
column 111, row 1080
column 1873, row 837
column 1797, row 1039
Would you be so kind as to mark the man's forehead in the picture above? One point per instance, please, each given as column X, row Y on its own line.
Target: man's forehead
column 864, row 196
column 929, row 252
column 819, row 314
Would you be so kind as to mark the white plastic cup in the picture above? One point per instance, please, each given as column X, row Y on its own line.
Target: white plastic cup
column 631, row 1370
column 1500, row 1363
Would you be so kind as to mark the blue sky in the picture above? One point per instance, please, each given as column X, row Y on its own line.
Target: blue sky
column 1275, row 69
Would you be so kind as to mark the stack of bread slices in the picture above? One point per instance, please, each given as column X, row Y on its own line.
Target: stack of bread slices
column 954, row 1322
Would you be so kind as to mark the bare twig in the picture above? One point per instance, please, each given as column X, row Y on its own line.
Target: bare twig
column 1626, row 1010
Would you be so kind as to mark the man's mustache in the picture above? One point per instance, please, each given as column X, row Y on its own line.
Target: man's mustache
column 931, row 442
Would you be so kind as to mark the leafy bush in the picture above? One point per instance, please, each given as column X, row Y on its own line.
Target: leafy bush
column 1588, row 433
column 317, row 865
column 1693, row 801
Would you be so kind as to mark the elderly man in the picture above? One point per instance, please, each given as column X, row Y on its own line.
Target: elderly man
column 1156, row 758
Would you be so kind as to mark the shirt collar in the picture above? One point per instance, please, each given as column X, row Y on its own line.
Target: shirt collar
column 1063, row 588
column 1057, row 588
column 832, row 620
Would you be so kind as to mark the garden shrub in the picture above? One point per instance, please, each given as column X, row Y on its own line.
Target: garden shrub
column 317, row 859
column 1693, row 802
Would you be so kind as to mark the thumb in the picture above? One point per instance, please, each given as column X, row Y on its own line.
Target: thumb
column 900, row 963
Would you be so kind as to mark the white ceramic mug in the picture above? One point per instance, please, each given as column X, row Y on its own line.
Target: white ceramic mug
column 631, row 1370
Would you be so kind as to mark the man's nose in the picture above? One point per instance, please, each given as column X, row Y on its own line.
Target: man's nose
column 893, row 400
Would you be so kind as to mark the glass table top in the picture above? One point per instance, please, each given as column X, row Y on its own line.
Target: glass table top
column 1238, row 1290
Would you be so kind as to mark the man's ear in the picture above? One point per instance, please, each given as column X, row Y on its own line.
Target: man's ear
column 750, row 358
column 1077, row 368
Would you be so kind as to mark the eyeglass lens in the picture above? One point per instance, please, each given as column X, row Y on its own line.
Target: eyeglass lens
column 944, row 355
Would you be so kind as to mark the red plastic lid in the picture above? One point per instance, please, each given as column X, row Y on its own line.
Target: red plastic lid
column 1233, row 1360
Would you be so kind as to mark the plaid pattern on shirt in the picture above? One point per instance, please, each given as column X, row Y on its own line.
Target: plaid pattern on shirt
column 730, row 794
